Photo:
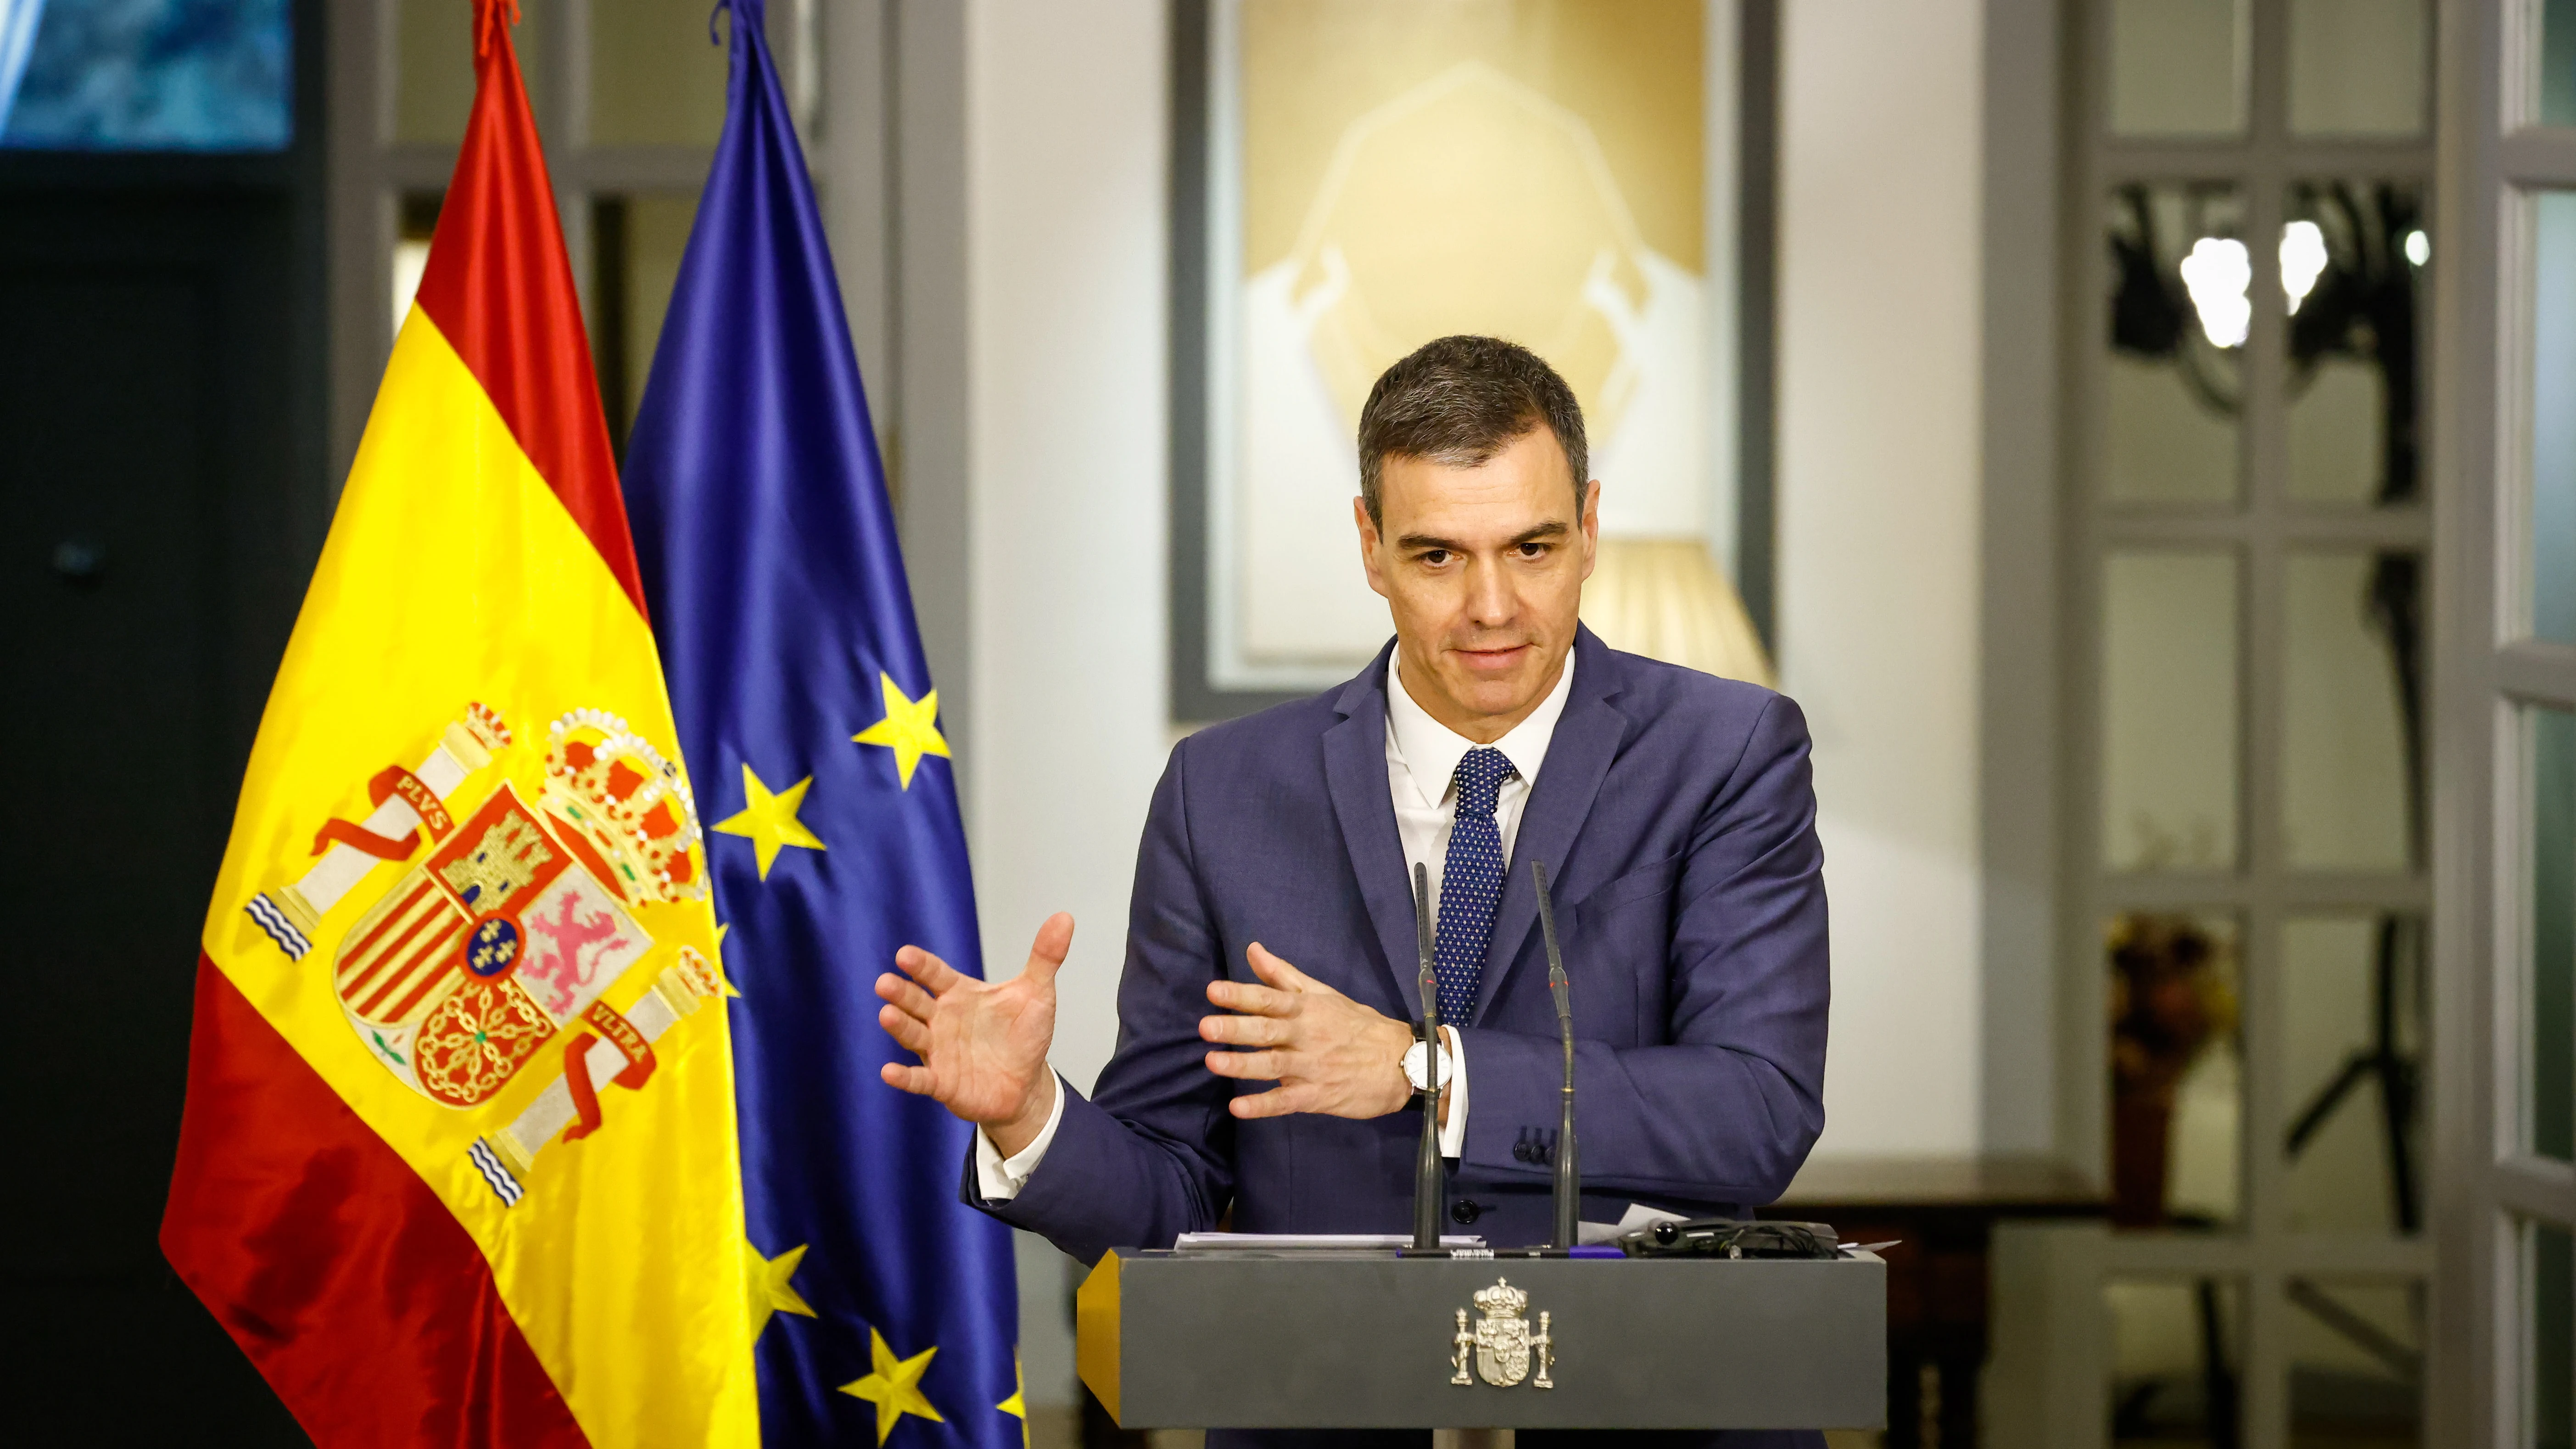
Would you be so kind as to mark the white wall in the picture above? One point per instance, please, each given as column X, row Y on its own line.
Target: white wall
column 1879, row 508
column 1066, row 218
column 1066, row 126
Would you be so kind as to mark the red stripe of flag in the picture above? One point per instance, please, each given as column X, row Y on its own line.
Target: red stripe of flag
column 351, row 1286
column 499, row 286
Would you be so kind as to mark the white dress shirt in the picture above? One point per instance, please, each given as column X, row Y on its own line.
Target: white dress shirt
column 1422, row 756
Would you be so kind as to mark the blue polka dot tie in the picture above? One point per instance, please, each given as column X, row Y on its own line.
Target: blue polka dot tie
column 1471, row 882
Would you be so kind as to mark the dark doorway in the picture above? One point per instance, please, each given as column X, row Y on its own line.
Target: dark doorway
column 153, row 546
column 162, row 493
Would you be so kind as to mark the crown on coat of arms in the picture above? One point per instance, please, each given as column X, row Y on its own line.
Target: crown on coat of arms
column 627, row 803
column 1501, row 1301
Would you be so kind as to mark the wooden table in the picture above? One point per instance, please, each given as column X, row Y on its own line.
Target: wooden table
column 1942, row 1211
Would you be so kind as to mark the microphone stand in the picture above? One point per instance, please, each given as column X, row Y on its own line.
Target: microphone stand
column 1569, row 1180
column 1426, row 1166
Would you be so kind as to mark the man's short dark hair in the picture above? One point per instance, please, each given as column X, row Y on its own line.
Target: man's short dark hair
column 1459, row 401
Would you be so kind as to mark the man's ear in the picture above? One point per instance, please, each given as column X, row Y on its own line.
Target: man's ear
column 1369, row 546
column 1591, row 525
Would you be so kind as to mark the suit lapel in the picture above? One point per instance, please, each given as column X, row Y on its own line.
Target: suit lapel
column 1587, row 739
column 1355, row 771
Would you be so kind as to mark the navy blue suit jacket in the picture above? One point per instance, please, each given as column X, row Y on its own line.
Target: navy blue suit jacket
column 1677, row 820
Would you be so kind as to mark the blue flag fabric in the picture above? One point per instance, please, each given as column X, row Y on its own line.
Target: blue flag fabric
column 809, row 721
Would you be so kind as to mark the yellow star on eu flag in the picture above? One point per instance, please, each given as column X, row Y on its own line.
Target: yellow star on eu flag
column 771, row 1292
column 1017, row 1405
column 910, row 729
column 894, row 1386
column 770, row 820
column 724, row 977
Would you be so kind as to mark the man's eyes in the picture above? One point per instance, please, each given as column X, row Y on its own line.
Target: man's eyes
column 1437, row 557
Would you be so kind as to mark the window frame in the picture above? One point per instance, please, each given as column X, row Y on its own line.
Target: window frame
column 2262, row 529
column 2486, row 1185
column 371, row 171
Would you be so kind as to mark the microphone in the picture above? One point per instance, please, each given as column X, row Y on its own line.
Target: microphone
column 1426, row 1165
column 1569, row 1181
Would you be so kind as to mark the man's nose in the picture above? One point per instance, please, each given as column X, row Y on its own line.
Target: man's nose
column 1490, row 600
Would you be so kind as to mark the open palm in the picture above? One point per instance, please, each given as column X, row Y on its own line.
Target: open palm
column 983, row 1046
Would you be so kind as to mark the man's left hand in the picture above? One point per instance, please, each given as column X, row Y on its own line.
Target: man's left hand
column 1328, row 1053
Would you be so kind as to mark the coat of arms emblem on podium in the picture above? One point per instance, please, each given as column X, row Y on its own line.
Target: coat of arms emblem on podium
column 1501, row 1343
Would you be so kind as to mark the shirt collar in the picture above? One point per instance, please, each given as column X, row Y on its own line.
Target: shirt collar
column 1431, row 750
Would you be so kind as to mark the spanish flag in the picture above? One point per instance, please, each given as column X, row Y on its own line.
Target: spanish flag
column 459, row 1161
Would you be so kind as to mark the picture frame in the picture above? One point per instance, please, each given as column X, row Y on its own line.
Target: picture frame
column 1246, row 633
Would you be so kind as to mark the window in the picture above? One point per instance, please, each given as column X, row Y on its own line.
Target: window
column 2251, row 530
column 630, row 104
column 2505, row 725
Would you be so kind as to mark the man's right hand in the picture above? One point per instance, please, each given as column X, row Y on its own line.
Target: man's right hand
column 983, row 1047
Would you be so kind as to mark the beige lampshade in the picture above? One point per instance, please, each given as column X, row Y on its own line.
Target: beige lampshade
column 1667, row 599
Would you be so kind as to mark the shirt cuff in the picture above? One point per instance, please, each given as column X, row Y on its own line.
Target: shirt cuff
column 1453, row 1133
column 999, row 1178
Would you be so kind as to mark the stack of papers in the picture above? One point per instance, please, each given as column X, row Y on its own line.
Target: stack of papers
column 1307, row 1242
column 1637, row 1216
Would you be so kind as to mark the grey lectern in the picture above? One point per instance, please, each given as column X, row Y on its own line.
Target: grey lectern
column 1368, row 1340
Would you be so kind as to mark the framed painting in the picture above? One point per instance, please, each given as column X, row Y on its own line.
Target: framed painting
column 1354, row 178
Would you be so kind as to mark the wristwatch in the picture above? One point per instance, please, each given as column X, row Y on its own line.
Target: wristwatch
column 1413, row 1071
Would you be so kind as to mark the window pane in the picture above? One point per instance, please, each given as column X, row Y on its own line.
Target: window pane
column 417, row 224
column 2550, row 774
column 655, row 78
column 2558, row 62
column 2177, row 67
column 638, row 241
column 2357, row 67
column 2176, row 1362
column 434, row 66
column 2351, row 767
column 2553, row 422
column 2356, row 1363
column 2352, row 1044
column 2548, row 1336
column 2353, row 257
column 2176, row 1070
column 2178, row 317
column 2169, row 726
column 148, row 75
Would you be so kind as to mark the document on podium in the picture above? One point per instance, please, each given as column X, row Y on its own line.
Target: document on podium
column 1308, row 1242
column 1637, row 1216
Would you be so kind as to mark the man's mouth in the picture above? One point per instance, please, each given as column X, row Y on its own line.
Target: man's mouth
column 1502, row 657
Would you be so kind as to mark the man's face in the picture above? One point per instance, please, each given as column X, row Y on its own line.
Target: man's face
column 1483, row 569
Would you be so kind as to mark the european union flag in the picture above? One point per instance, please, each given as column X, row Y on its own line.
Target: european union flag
column 812, row 734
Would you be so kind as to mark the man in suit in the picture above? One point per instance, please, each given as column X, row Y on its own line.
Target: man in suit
column 1674, row 813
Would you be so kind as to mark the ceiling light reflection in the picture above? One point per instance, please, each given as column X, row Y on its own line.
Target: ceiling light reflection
column 2217, row 274
column 2303, row 260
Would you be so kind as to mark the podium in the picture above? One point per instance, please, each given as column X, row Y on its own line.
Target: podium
column 1369, row 1340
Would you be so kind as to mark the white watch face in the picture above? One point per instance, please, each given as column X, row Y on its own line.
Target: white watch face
column 1413, row 1072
